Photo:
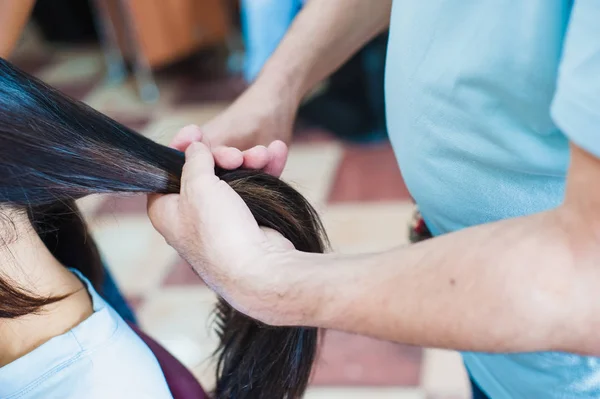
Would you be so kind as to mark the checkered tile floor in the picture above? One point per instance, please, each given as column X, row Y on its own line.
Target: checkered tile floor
column 357, row 189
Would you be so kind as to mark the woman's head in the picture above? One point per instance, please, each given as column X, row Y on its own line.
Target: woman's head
column 54, row 150
column 48, row 142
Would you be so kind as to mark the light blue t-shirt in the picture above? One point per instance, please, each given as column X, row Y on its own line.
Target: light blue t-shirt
column 100, row 358
column 482, row 99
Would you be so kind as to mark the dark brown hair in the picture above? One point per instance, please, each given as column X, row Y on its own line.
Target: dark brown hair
column 54, row 150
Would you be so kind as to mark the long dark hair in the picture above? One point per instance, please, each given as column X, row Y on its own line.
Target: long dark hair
column 54, row 150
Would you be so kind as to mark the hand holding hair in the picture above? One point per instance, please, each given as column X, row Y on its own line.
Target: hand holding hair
column 209, row 224
column 55, row 150
column 264, row 113
column 269, row 159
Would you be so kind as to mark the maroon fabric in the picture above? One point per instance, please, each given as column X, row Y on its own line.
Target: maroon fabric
column 182, row 383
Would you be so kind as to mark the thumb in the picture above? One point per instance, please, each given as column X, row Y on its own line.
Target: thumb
column 199, row 166
column 163, row 211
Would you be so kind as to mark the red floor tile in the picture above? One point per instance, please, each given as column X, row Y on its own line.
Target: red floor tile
column 131, row 204
column 194, row 91
column 78, row 90
column 32, row 63
column 312, row 135
column 368, row 173
column 347, row 359
column 182, row 274
column 134, row 302
column 137, row 123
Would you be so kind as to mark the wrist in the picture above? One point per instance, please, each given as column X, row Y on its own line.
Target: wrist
column 282, row 83
column 302, row 288
column 275, row 110
column 320, row 288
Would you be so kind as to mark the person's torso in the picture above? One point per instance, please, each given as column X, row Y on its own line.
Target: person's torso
column 100, row 358
column 468, row 91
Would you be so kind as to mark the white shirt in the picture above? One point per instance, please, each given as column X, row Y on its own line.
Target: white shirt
column 101, row 358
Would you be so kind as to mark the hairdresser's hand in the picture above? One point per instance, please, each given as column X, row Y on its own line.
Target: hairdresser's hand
column 270, row 159
column 212, row 228
column 259, row 116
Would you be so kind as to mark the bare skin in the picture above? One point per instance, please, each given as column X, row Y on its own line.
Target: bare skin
column 524, row 284
column 322, row 37
column 24, row 258
column 517, row 285
column 28, row 264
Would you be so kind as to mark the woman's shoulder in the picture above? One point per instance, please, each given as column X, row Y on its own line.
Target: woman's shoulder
column 124, row 366
column 102, row 357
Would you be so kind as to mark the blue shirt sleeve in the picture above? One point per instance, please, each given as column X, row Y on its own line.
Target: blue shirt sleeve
column 576, row 105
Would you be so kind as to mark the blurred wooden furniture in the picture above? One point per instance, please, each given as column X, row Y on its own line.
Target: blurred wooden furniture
column 14, row 14
column 154, row 33
column 169, row 30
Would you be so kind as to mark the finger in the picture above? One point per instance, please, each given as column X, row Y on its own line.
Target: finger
column 186, row 136
column 256, row 157
column 275, row 238
column 228, row 157
column 278, row 153
column 163, row 211
column 199, row 164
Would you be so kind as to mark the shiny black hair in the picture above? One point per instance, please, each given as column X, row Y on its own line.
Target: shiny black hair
column 55, row 150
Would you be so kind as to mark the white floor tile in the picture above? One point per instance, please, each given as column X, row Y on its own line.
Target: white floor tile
column 364, row 393
column 165, row 126
column 90, row 204
column 367, row 227
column 135, row 253
column 180, row 319
column 311, row 169
column 74, row 68
column 443, row 372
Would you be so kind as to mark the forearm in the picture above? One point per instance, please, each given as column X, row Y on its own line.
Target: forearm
column 324, row 35
column 13, row 18
column 502, row 287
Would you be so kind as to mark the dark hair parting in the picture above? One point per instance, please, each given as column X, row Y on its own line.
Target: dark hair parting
column 55, row 150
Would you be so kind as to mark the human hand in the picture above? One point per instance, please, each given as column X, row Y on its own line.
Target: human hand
column 211, row 227
column 259, row 116
column 269, row 159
